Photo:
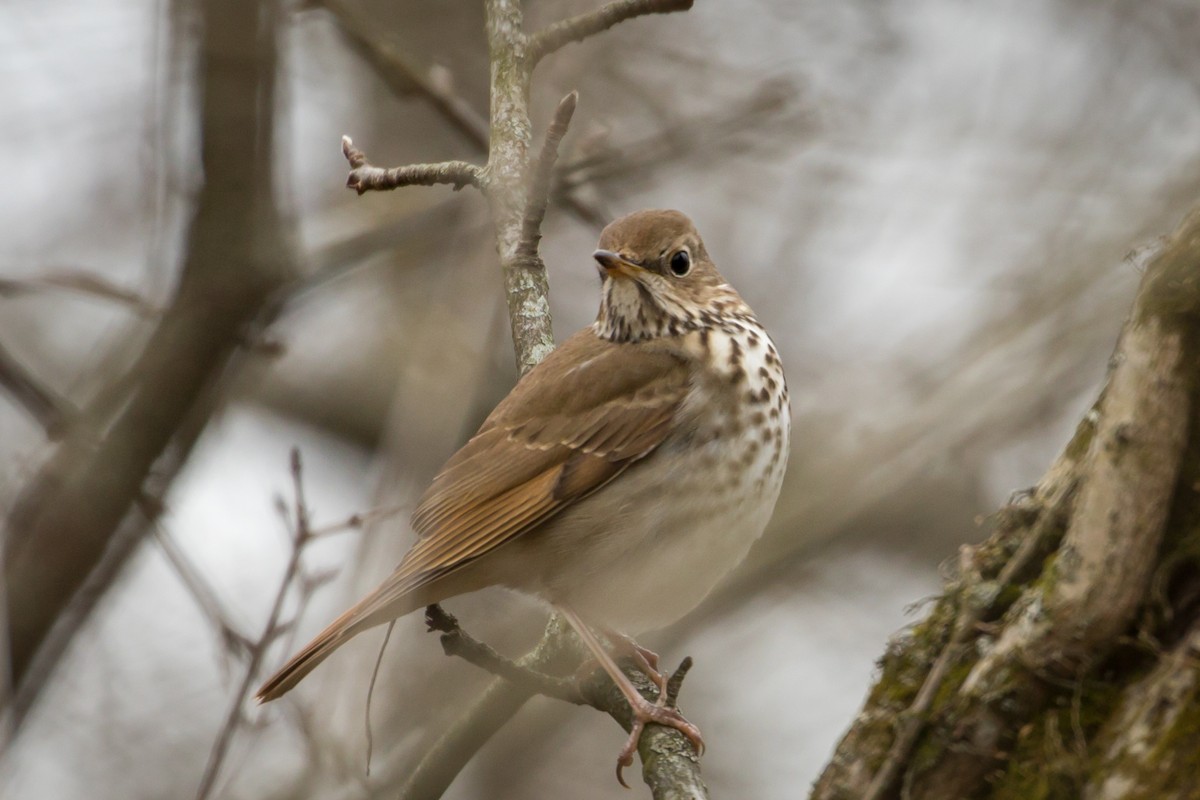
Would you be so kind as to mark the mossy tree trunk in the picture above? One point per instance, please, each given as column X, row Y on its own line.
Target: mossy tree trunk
column 1063, row 660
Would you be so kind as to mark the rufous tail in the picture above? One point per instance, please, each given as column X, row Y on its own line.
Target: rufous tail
column 385, row 603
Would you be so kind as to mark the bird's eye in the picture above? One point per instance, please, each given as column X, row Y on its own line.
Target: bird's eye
column 681, row 263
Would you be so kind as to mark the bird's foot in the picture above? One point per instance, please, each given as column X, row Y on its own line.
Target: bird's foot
column 658, row 713
column 645, row 659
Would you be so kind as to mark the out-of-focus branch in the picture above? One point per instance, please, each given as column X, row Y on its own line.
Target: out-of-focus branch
column 405, row 77
column 81, row 282
column 302, row 535
column 366, row 178
column 51, row 410
column 237, row 256
column 576, row 29
column 202, row 592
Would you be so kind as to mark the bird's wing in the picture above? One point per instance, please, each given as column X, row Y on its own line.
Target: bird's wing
column 575, row 422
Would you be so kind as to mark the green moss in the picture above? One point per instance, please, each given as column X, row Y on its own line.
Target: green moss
column 1050, row 754
column 909, row 655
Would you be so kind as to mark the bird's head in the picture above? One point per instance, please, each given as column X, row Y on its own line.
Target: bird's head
column 657, row 278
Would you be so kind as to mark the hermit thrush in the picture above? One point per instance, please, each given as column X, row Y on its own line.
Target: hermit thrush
column 622, row 477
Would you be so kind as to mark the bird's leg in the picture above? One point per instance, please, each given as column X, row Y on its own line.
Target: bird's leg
column 641, row 709
column 646, row 660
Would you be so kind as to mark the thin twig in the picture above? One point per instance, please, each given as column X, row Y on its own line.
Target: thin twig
column 543, row 175
column 82, row 282
column 576, row 29
column 555, row 654
column 436, row 86
column 405, row 77
column 457, row 642
column 51, row 410
column 365, row 178
column 293, row 573
column 201, row 591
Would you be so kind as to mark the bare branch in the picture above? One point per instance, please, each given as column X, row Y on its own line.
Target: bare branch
column 436, row 86
column 51, row 410
column 202, row 592
column 576, row 29
column 670, row 764
column 457, row 642
column 555, row 654
column 67, row 517
column 365, row 178
column 81, row 282
column 543, row 175
column 294, row 576
column 406, row 78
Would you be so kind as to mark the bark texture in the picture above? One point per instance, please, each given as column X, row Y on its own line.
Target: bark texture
column 1061, row 661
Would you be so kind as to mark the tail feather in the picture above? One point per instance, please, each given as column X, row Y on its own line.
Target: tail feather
column 389, row 601
column 303, row 663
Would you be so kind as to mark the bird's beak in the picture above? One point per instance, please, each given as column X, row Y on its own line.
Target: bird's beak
column 613, row 264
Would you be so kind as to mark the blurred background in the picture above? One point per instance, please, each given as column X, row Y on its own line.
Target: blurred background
column 938, row 208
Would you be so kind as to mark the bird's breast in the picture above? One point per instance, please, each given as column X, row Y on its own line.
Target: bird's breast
column 648, row 547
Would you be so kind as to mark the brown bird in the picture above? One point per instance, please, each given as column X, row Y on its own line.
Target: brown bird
column 621, row 478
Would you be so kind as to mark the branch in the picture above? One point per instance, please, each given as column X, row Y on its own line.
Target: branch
column 670, row 764
column 51, row 410
column 66, row 519
column 85, row 283
column 435, row 85
column 517, row 201
column 576, row 29
column 365, row 178
column 303, row 534
column 457, row 642
column 553, row 655
column 543, row 175
column 405, row 77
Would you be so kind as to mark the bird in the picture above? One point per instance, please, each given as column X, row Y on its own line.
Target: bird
column 622, row 477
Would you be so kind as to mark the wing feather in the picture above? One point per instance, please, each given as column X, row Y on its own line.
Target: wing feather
column 579, row 419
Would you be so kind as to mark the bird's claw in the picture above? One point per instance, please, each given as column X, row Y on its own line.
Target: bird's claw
column 645, row 712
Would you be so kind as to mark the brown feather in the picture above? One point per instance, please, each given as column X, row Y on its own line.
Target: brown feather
column 571, row 425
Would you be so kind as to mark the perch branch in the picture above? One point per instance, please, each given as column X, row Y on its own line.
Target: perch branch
column 456, row 642
column 576, row 29
column 553, row 655
column 367, row 178
column 670, row 763
column 517, row 203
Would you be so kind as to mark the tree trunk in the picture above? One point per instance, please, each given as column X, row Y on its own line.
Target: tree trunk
column 1061, row 661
